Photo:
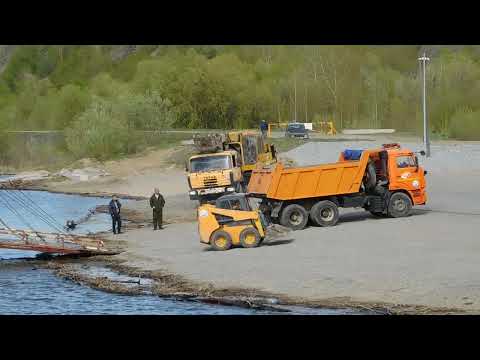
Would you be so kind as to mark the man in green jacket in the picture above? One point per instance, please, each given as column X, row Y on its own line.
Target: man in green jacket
column 157, row 202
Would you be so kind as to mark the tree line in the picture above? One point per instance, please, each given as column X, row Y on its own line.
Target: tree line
column 96, row 99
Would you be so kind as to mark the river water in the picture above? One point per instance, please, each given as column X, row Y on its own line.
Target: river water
column 26, row 289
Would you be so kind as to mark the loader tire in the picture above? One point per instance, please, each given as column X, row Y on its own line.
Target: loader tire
column 399, row 205
column 324, row 213
column 221, row 240
column 294, row 216
column 250, row 237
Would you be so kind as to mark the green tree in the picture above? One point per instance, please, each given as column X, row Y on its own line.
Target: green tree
column 101, row 131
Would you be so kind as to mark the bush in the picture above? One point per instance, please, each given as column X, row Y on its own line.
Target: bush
column 72, row 101
column 147, row 111
column 465, row 125
column 100, row 132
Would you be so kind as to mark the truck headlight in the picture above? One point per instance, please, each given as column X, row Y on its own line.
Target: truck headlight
column 230, row 189
column 193, row 192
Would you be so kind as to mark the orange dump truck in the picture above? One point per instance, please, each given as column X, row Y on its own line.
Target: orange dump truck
column 387, row 182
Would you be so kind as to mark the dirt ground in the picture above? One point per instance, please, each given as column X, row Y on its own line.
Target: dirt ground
column 428, row 259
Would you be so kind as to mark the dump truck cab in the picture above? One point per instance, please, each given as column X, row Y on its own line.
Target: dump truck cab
column 231, row 221
column 396, row 169
column 224, row 163
column 211, row 175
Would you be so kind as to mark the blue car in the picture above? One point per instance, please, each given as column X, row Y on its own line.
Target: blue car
column 296, row 130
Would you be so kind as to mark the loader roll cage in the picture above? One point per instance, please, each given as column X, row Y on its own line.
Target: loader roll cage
column 233, row 202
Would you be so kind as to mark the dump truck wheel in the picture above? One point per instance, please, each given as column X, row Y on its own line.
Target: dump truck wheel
column 399, row 205
column 221, row 240
column 324, row 213
column 294, row 216
column 250, row 237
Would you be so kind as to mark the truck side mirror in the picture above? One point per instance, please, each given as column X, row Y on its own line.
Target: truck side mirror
column 422, row 153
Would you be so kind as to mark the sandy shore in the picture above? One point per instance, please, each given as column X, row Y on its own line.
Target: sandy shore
column 426, row 262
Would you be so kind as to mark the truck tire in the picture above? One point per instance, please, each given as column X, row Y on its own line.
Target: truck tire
column 221, row 240
column 250, row 237
column 294, row 216
column 370, row 176
column 399, row 205
column 324, row 213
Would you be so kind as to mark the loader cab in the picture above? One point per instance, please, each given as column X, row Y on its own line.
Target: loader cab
column 233, row 202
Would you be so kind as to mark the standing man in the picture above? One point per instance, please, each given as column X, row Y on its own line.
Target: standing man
column 264, row 128
column 114, row 208
column 157, row 202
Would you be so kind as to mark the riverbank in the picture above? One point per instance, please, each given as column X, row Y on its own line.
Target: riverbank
column 422, row 264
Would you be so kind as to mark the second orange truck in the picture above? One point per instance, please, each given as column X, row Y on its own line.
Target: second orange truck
column 386, row 182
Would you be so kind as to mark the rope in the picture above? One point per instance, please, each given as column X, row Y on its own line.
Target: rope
column 24, row 200
column 33, row 207
column 47, row 215
column 15, row 212
column 36, row 210
column 15, row 198
column 10, row 229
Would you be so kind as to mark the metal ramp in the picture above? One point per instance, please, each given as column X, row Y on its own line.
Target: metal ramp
column 59, row 241
column 53, row 243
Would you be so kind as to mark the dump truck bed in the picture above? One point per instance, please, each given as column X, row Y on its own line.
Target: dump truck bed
column 280, row 183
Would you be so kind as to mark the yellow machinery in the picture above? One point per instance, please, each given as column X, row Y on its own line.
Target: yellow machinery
column 230, row 222
column 327, row 127
column 225, row 163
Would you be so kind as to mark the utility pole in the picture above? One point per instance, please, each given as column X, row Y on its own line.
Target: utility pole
column 426, row 139
column 295, row 85
column 306, row 103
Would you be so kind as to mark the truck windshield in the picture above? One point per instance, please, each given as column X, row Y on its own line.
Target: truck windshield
column 406, row 161
column 208, row 163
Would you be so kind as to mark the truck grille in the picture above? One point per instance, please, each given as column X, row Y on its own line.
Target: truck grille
column 210, row 181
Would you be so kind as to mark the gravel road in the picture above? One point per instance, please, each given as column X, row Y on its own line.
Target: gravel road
column 429, row 258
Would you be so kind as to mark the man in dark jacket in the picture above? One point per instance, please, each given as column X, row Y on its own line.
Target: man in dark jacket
column 114, row 208
column 264, row 128
column 157, row 202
